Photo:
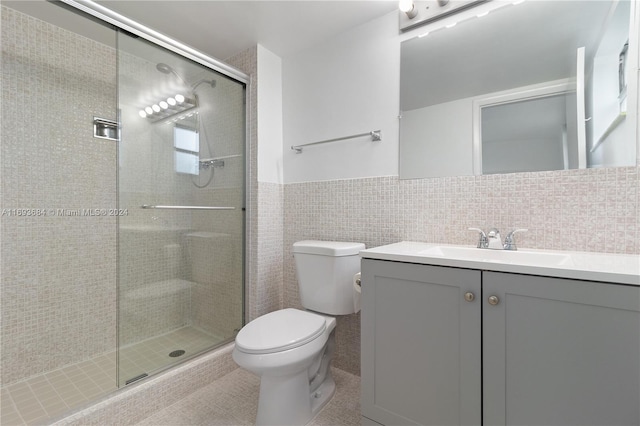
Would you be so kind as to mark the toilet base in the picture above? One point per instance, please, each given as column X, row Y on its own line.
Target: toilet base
column 322, row 395
column 296, row 399
column 291, row 392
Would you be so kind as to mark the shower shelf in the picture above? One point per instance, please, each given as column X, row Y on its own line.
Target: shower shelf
column 147, row 206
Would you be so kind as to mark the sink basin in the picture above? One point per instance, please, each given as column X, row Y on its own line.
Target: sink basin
column 605, row 267
column 520, row 257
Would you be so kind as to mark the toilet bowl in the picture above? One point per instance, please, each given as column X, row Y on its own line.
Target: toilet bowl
column 291, row 349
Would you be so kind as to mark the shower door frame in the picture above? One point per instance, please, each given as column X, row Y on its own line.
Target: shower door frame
column 122, row 22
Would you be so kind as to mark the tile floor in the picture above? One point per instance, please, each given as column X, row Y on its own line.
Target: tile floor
column 42, row 397
column 233, row 401
column 38, row 399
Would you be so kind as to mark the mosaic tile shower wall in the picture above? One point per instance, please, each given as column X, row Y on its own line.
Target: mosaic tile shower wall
column 264, row 290
column 584, row 210
column 58, row 275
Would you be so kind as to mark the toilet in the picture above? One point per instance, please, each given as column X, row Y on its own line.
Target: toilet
column 291, row 349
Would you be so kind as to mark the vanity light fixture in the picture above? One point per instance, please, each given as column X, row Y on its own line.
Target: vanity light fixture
column 421, row 12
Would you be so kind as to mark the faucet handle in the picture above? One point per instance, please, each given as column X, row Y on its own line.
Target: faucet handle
column 482, row 241
column 510, row 242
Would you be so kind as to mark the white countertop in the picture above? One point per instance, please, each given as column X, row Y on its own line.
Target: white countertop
column 615, row 268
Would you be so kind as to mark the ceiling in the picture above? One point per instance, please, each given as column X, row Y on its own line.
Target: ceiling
column 224, row 28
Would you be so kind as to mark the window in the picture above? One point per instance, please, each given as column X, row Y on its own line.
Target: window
column 186, row 145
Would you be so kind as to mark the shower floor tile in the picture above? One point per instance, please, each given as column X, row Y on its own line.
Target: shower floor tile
column 153, row 354
column 233, row 400
column 39, row 399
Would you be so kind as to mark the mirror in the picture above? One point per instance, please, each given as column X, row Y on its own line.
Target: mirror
column 538, row 85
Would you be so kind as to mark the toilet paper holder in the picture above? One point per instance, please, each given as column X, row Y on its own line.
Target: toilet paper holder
column 357, row 291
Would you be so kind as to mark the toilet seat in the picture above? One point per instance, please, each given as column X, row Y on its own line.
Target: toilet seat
column 279, row 331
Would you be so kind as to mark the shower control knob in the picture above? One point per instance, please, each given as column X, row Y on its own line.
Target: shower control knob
column 469, row 297
column 494, row 300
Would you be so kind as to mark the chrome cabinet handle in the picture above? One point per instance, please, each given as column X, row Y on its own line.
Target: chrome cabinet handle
column 469, row 297
column 494, row 300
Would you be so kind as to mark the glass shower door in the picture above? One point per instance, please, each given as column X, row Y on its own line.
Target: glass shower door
column 181, row 180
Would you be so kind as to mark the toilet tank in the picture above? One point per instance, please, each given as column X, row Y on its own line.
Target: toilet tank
column 325, row 271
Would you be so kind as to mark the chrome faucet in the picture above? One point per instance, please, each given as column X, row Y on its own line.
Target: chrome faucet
column 510, row 242
column 482, row 241
column 492, row 239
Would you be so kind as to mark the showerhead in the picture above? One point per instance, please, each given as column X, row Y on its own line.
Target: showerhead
column 168, row 69
column 165, row 69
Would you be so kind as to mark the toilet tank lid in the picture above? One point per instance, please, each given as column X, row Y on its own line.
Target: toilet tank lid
column 328, row 248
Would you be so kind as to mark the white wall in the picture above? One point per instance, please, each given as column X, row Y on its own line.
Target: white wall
column 270, row 167
column 438, row 139
column 344, row 86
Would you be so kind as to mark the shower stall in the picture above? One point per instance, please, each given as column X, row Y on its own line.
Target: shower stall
column 122, row 166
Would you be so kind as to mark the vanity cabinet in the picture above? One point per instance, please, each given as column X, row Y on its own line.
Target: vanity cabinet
column 421, row 344
column 522, row 350
column 560, row 352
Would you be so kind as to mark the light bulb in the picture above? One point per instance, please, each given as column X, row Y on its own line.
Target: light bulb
column 179, row 99
column 171, row 101
column 149, row 110
column 142, row 113
column 408, row 7
column 405, row 5
column 163, row 105
column 155, row 107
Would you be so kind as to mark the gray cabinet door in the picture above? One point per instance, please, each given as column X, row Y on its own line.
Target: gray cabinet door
column 560, row 352
column 421, row 347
